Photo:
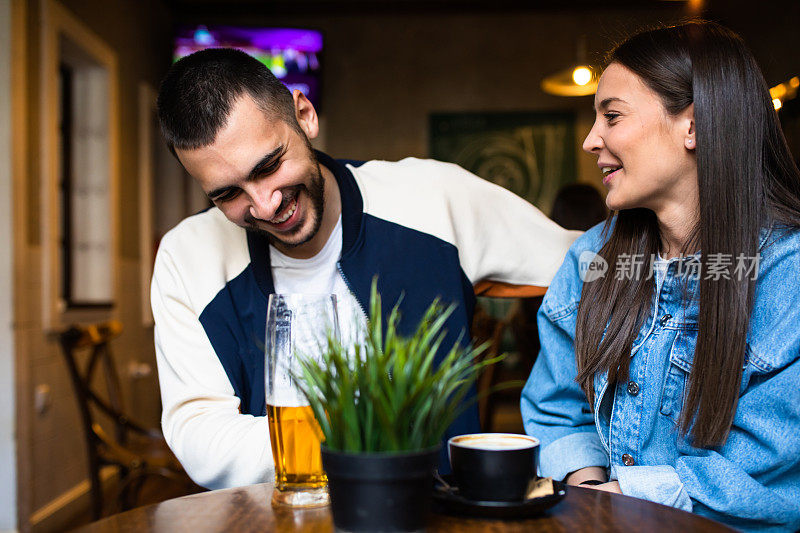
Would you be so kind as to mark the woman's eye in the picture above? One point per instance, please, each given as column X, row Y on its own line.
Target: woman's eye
column 610, row 116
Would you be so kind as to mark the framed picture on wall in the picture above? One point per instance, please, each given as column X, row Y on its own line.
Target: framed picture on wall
column 531, row 154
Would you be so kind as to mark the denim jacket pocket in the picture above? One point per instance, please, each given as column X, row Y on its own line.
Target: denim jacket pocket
column 681, row 358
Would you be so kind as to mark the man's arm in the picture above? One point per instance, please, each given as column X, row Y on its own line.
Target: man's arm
column 507, row 247
column 218, row 446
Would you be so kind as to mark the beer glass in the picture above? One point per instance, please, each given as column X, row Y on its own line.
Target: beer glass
column 298, row 325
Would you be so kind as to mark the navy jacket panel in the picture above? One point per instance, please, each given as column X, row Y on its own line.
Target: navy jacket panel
column 235, row 322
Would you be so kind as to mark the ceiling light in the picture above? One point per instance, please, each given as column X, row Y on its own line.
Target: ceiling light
column 582, row 75
column 784, row 91
column 578, row 80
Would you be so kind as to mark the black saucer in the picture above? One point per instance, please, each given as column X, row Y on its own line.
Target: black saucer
column 450, row 502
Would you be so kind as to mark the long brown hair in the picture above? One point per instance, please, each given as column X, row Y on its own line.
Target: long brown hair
column 747, row 179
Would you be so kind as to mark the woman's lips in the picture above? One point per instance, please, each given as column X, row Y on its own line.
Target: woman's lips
column 609, row 172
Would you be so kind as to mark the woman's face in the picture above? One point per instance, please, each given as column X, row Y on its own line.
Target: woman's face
column 646, row 155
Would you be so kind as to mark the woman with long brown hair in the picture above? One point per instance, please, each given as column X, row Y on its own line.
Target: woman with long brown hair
column 670, row 362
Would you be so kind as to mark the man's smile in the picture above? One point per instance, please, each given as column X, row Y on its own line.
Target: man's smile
column 286, row 209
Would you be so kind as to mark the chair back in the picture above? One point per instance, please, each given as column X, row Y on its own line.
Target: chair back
column 515, row 333
column 136, row 451
column 86, row 351
column 487, row 329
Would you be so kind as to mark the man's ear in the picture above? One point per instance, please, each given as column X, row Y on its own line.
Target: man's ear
column 305, row 114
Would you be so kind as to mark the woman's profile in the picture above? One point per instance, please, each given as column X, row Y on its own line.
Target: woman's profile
column 675, row 376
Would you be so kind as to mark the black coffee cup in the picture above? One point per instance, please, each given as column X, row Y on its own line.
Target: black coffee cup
column 493, row 466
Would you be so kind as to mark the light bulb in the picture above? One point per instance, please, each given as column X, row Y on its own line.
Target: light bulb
column 581, row 75
column 777, row 103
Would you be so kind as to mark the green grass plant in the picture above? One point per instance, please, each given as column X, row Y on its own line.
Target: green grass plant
column 387, row 395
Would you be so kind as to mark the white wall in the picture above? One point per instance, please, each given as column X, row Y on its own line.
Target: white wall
column 8, row 462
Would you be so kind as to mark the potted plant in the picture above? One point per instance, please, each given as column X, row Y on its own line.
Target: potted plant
column 383, row 407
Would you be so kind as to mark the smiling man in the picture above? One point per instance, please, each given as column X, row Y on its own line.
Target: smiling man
column 290, row 219
column 289, row 207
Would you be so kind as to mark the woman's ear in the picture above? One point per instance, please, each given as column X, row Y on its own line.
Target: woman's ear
column 687, row 126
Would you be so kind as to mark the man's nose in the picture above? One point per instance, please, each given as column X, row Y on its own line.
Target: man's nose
column 264, row 202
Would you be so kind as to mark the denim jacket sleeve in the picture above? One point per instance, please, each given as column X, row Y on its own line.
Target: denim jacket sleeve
column 554, row 408
column 659, row 483
column 753, row 480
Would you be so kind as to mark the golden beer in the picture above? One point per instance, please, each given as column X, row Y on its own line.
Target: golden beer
column 295, row 437
column 298, row 326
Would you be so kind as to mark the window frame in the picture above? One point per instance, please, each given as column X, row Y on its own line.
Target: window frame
column 58, row 26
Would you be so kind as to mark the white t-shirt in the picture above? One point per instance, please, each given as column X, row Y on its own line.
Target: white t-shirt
column 320, row 275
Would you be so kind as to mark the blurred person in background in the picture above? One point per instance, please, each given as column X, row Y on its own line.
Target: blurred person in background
column 578, row 206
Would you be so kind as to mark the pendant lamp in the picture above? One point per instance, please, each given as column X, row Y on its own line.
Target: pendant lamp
column 580, row 79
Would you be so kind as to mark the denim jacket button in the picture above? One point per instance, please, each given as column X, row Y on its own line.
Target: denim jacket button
column 665, row 319
column 633, row 388
column 627, row 459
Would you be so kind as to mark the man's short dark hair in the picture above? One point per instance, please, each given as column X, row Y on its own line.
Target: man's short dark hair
column 198, row 92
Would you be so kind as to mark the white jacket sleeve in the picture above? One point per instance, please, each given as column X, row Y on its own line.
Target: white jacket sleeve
column 505, row 243
column 216, row 444
column 506, row 246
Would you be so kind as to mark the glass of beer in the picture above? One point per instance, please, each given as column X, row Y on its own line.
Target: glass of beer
column 298, row 326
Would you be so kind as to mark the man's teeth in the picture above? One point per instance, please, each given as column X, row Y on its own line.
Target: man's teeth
column 288, row 213
column 608, row 170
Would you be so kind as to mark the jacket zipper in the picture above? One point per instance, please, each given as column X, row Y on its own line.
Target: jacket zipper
column 352, row 292
column 360, row 305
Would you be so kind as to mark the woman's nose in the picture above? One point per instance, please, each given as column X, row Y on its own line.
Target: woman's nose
column 593, row 142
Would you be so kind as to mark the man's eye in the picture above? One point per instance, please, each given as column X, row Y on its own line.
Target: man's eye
column 269, row 169
column 227, row 195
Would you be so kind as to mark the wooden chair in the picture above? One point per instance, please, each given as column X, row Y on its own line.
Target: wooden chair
column 486, row 327
column 136, row 451
column 515, row 333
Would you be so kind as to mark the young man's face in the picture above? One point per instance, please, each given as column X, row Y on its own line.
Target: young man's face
column 262, row 174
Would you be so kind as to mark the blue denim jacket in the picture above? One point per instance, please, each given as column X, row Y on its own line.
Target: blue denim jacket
column 752, row 481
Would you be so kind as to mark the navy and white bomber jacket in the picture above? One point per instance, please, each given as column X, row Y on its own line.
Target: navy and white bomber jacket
column 425, row 228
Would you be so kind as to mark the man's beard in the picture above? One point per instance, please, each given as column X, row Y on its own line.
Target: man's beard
column 316, row 192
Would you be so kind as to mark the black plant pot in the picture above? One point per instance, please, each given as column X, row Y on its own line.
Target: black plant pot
column 383, row 492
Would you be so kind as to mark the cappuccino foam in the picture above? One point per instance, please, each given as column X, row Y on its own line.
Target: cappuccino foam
column 495, row 442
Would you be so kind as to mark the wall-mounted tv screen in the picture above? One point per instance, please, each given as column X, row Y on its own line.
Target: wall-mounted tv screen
column 293, row 55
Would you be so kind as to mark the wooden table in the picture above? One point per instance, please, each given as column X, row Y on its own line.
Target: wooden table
column 247, row 509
